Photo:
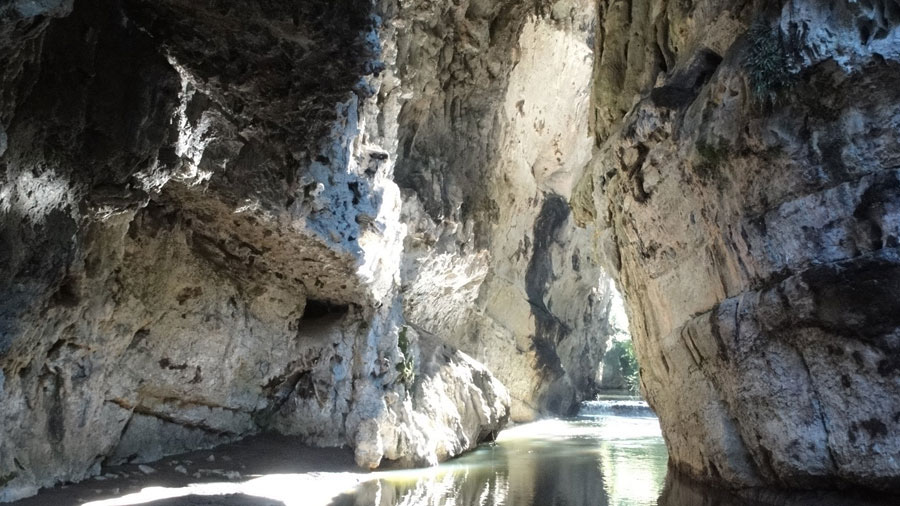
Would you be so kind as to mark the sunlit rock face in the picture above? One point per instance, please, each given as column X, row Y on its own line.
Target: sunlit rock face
column 751, row 215
column 384, row 225
column 489, row 152
column 224, row 218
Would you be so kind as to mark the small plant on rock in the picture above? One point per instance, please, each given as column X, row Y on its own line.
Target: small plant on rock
column 767, row 63
column 630, row 368
column 710, row 159
column 406, row 366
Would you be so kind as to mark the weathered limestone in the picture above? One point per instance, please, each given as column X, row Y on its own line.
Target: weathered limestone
column 492, row 150
column 202, row 236
column 754, row 234
column 385, row 224
column 184, row 262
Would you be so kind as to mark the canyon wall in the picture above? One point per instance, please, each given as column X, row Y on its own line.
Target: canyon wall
column 388, row 225
column 489, row 152
column 223, row 218
column 746, row 190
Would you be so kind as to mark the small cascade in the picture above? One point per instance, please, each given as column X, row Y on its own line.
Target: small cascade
column 616, row 407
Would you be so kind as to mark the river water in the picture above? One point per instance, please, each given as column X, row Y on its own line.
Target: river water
column 611, row 454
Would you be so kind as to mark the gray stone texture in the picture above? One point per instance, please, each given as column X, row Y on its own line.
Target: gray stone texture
column 755, row 238
column 223, row 218
column 389, row 225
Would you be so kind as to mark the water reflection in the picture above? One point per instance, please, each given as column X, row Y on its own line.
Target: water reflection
column 680, row 491
column 611, row 455
column 593, row 460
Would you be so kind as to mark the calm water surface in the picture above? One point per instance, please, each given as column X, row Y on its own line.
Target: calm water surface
column 611, row 455
column 606, row 456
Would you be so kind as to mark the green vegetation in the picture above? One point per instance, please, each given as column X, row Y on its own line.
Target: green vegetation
column 406, row 366
column 710, row 159
column 767, row 63
column 624, row 351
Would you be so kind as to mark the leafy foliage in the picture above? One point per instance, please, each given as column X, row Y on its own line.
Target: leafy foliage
column 406, row 366
column 767, row 63
column 628, row 364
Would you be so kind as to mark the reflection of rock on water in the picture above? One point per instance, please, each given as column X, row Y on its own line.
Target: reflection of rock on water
column 547, row 463
column 444, row 489
column 515, row 481
column 682, row 491
column 633, row 474
column 599, row 459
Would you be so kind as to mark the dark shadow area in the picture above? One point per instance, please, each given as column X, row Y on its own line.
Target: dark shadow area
column 253, row 457
column 682, row 491
column 316, row 310
column 217, row 500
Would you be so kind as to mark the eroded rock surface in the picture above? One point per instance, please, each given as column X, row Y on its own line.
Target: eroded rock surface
column 491, row 150
column 321, row 217
column 225, row 218
column 746, row 188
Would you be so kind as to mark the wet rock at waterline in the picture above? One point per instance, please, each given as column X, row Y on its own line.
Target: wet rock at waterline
column 453, row 404
column 750, row 197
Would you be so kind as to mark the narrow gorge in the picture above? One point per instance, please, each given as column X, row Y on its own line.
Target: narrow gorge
column 400, row 225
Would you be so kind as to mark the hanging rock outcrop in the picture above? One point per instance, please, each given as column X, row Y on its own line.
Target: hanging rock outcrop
column 746, row 189
column 292, row 216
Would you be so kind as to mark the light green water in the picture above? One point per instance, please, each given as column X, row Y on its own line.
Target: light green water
column 597, row 461
column 613, row 455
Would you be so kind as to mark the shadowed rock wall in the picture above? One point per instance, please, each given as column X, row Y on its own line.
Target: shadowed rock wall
column 745, row 185
column 202, row 236
column 223, row 218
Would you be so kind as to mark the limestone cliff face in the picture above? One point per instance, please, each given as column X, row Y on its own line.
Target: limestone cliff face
column 488, row 154
column 223, row 218
column 385, row 224
column 746, row 189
